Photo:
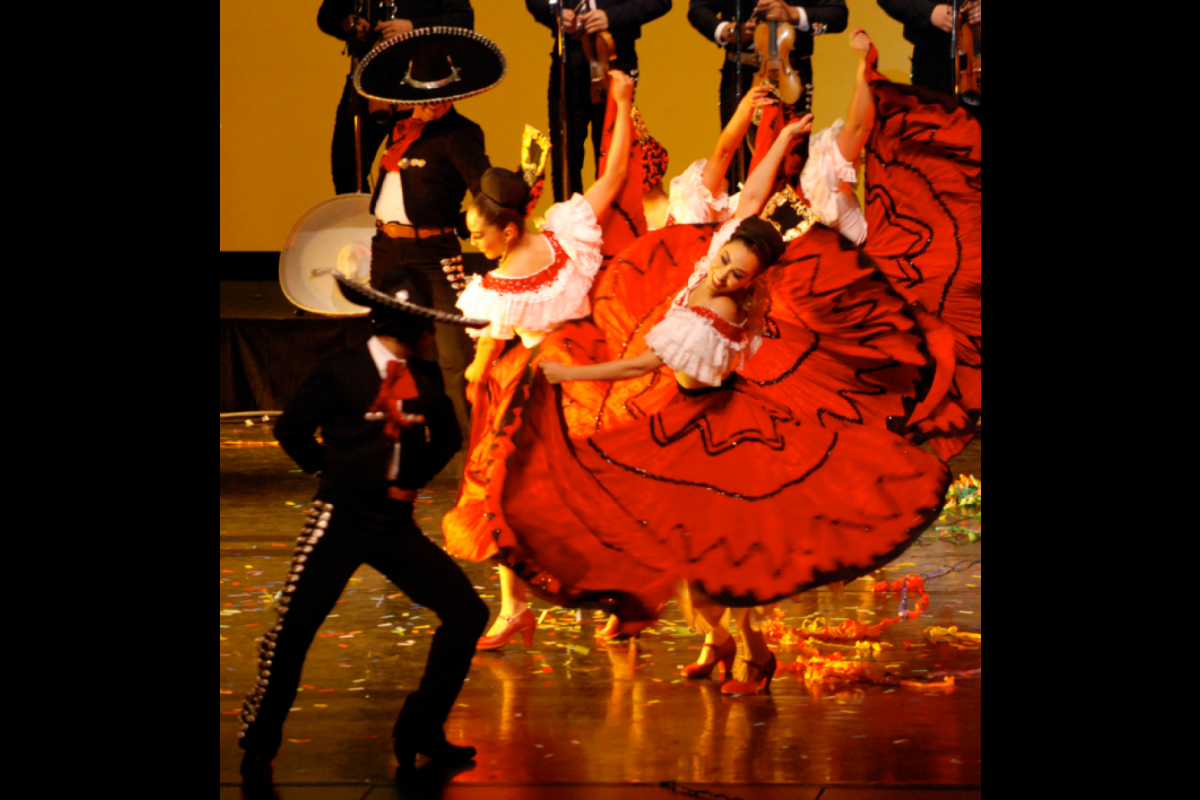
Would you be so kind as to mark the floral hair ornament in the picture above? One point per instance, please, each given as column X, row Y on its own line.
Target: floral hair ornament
column 790, row 215
column 535, row 156
column 655, row 158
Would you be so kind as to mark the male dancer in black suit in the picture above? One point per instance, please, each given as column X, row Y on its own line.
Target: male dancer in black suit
column 624, row 20
column 418, row 211
column 338, row 19
column 928, row 25
column 388, row 429
column 717, row 20
column 435, row 156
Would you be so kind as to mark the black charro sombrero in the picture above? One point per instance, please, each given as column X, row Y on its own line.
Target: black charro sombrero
column 383, row 305
column 430, row 65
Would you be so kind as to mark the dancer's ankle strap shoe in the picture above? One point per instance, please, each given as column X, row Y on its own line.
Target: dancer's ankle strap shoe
column 759, row 680
column 723, row 655
column 523, row 625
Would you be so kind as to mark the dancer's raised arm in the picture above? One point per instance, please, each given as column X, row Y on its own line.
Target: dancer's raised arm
column 860, row 119
column 731, row 138
column 605, row 190
column 761, row 182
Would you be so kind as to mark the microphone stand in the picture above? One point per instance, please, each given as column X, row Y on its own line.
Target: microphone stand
column 565, row 166
column 954, row 43
column 742, row 145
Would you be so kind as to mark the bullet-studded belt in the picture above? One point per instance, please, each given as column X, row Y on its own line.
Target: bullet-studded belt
column 396, row 230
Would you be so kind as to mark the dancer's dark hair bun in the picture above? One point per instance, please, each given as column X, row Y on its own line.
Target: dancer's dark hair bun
column 761, row 237
column 503, row 198
column 507, row 189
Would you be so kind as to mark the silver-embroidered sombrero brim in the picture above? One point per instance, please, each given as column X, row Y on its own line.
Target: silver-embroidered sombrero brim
column 457, row 63
column 363, row 295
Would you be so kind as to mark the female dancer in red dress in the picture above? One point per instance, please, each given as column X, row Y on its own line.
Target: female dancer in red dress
column 704, row 476
column 923, row 226
column 543, row 281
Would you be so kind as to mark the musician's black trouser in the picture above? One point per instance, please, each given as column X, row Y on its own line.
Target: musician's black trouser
column 342, row 158
column 581, row 114
column 384, row 536
column 933, row 69
column 454, row 351
column 730, row 98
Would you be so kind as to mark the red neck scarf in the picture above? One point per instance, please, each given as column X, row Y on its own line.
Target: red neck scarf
column 406, row 132
column 398, row 387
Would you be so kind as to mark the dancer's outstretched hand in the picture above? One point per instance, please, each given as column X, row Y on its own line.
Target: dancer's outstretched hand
column 759, row 97
column 860, row 42
column 798, row 128
column 621, row 86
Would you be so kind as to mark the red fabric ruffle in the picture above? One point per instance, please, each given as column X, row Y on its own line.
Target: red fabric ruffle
column 611, row 494
column 925, row 215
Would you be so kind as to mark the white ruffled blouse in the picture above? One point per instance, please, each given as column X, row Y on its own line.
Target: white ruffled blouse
column 823, row 174
column 532, row 306
column 697, row 341
column 692, row 203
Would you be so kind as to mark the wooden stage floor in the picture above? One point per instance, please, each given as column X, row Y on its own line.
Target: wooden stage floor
column 579, row 719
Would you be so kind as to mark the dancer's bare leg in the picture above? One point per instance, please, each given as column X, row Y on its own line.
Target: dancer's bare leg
column 513, row 600
column 753, row 648
column 716, row 619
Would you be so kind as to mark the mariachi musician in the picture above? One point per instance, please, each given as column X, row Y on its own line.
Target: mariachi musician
column 623, row 19
column 717, row 20
column 362, row 24
column 929, row 25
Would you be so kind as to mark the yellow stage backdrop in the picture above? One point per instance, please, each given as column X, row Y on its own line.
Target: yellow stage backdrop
column 281, row 79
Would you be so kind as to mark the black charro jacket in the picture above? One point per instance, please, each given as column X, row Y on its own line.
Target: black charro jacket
column 421, row 13
column 917, row 16
column 707, row 15
column 355, row 455
column 455, row 160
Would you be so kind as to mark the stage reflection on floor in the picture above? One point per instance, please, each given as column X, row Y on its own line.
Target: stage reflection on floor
column 570, row 710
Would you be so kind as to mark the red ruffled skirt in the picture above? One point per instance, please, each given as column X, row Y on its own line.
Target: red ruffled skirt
column 785, row 479
column 925, row 216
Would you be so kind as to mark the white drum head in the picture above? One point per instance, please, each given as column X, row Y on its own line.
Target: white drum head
column 333, row 234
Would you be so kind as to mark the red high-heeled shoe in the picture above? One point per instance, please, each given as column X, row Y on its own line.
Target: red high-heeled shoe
column 525, row 625
column 761, row 677
column 724, row 655
column 610, row 631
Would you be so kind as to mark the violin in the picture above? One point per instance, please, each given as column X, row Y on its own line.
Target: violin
column 600, row 49
column 775, row 42
column 968, row 52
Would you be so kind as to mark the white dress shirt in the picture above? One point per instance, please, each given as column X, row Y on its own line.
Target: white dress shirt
column 390, row 206
column 381, row 355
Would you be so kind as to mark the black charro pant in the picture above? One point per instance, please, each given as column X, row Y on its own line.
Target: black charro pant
column 933, row 68
column 455, row 352
column 384, row 536
column 582, row 116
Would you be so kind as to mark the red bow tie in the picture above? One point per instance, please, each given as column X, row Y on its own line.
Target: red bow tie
column 404, row 134
column 398, row 387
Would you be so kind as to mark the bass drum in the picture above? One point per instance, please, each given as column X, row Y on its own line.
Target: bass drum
column 334, row 234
